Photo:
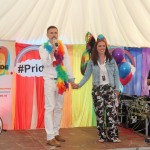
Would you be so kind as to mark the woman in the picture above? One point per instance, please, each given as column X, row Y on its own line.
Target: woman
column 105, row 90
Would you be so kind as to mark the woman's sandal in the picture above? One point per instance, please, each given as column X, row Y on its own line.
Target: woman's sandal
column 101, row 140
column 116, row 140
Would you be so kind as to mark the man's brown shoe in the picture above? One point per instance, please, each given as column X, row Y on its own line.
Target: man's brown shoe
column 53, row 142
column 59, row 138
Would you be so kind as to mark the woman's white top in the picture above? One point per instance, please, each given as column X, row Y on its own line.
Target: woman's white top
column 103, row 74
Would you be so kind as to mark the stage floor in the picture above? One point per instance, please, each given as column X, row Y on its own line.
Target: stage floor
column 81, row 138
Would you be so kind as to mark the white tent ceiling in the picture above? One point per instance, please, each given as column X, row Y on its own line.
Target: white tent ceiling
column 123, row 22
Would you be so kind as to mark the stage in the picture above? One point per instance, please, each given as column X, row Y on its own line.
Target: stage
column 81, row 138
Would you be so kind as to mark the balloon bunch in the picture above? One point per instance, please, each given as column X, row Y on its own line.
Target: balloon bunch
column 90, row 41
column 126, row 69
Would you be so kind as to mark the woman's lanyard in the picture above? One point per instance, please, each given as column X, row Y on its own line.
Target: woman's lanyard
column 102, row 72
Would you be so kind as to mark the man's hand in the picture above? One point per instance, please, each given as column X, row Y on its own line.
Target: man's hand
column 54, row 43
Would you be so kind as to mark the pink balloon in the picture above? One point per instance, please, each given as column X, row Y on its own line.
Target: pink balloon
column 126, row 79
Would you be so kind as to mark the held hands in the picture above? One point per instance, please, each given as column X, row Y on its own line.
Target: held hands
column 74, row 85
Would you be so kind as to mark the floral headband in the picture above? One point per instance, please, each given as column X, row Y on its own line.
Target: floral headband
column 102, row 38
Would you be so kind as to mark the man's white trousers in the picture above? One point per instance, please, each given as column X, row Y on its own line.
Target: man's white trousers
column 53, row 108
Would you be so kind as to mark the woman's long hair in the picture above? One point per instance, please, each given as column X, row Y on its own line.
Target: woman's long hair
column 95, row 56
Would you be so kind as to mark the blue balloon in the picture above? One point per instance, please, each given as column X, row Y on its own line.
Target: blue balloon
column 124, row 69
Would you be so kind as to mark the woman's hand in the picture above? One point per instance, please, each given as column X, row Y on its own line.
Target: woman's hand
column 117, row 94
column 116, row 100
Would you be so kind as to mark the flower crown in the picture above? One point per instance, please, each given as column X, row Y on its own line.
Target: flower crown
column 102, row 38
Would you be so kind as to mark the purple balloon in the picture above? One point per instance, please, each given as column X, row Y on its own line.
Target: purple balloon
column 118, row 54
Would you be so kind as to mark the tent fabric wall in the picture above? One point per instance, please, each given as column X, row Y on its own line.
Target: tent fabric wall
column 123, row 22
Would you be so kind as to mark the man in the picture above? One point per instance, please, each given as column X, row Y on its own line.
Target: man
column 57, row 73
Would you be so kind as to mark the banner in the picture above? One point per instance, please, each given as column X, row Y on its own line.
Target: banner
column 29, row 104
column 7, row 55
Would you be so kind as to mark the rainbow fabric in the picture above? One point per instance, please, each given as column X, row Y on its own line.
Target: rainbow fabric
column 62, row 77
